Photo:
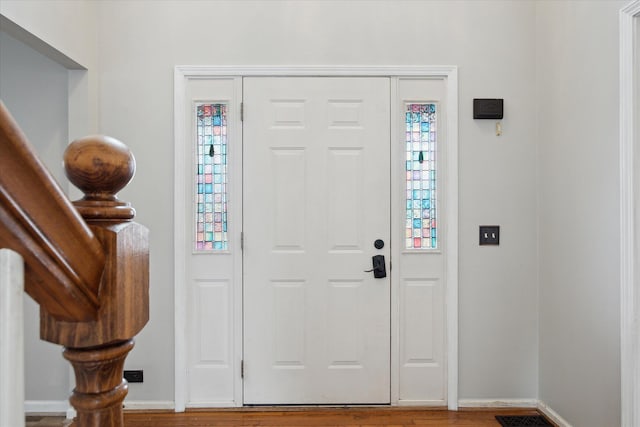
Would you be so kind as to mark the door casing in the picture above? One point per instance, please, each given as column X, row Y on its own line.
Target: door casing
column 183, row 74
column 629, row 221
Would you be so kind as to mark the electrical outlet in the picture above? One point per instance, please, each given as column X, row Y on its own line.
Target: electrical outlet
column 134, row 376
column 489, row 235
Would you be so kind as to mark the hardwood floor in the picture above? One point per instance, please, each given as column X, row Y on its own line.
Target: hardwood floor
column 46, row 421
column 305, row 417
column 322, row 417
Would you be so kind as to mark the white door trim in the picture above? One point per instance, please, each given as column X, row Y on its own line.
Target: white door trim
column 629, row 223
column 183, row 74
column 179, row 259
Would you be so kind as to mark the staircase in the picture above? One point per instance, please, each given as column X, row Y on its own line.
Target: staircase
column 85, row 263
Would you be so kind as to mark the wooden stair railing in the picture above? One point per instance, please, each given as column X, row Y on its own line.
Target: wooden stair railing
column 86, row 263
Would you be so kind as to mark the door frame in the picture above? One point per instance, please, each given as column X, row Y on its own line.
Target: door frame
column 629, row 222
column 182, row 74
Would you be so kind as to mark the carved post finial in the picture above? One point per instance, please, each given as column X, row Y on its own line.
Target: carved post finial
column 100, row 166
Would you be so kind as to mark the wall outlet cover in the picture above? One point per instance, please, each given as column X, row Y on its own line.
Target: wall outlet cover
column 489, row 235
column 134, row 376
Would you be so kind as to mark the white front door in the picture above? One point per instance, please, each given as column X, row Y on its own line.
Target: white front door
column 317, row 196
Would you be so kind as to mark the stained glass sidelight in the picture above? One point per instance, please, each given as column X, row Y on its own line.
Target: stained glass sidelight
column 211, row 177
column 421, row 177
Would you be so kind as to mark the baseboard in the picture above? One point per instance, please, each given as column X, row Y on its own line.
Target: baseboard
column 149, row 405
column 63, row 408
column 214, row 404
column 422, row 403
column 498, row 403
column 46, row 407
column 516, row 403
column 552, row 415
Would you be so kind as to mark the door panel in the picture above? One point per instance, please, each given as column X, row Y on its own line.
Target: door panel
column 316, row 191
column 418, row 276
column 213, row 276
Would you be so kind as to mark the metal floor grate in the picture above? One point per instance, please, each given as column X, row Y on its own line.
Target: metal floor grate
column 522, row 421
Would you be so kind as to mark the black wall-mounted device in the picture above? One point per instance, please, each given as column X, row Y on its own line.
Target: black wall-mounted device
column 134, row 376
column 489, row 235
column 484, row 108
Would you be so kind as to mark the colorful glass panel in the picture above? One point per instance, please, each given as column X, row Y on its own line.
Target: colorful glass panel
column 421, row 177
column 211, row 178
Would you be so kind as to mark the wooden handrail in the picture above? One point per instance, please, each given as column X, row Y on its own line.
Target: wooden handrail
column 41, row 224
column 86, row 263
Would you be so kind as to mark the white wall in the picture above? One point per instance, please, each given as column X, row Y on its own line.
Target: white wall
column 39, row 41
column 579, row 210
column 66, row 32
column 553, row 172
column 68, row 26
column 493, row 43
column 34, row 89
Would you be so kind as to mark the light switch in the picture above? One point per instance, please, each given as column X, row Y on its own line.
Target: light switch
column 489, row 235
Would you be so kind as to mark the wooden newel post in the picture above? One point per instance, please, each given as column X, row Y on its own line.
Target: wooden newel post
column 101, row 166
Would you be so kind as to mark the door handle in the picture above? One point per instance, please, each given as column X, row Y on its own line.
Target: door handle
column 379, row 269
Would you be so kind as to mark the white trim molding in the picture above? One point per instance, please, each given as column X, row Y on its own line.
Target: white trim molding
column 515, row 403
column 11, row 338
column 148, row 405
column 552, row 415
column 46, row 407
column 183, row 74
column 180, row 268
column 629, row 222
column 194, row 71
column 498, row 403
column 451, row 258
